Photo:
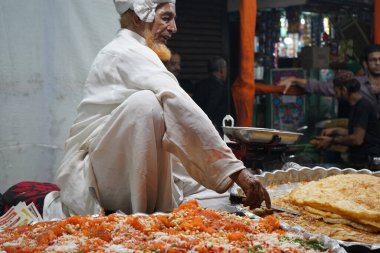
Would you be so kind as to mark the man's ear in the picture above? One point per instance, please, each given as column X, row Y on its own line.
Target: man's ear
column 136, row 20
column 344, row 90
column 365, row 64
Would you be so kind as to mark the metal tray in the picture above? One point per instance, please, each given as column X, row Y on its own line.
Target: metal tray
column 257, row 135
column 329, row 243
column 260, row 135
column 288, row 179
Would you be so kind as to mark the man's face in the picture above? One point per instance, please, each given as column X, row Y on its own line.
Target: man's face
column 340, row 93
column 373, row 64
column 164, row 23
column 174, row 65
column 162, row 29
column 223, row 73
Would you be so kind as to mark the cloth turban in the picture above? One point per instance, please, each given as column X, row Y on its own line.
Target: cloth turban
column 144, row 9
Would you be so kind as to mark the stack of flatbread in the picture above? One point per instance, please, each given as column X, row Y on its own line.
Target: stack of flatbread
column 351, row 200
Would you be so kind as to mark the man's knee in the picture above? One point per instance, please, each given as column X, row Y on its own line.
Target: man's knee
column 144, row 103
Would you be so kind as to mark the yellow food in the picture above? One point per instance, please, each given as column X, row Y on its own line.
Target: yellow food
column 353, row 196
column 344, row 207
column 337, row 231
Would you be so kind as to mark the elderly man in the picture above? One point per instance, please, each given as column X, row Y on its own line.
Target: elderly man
column 134, row 117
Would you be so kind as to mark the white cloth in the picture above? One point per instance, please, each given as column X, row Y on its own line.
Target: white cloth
column 144, row 9
column 186, row 188
column 133, row 115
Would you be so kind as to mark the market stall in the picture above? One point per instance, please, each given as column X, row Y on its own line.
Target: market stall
column 314, row 209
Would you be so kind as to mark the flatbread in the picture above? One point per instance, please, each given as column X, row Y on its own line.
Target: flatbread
column 342, row 232
column 338, row 219
column 344, row 207
column 352, row 196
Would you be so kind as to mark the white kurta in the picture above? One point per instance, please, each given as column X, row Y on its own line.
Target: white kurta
column 133, row 115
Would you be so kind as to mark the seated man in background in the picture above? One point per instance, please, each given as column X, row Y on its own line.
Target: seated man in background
column 133, row 118
column 212, row 93
column 363, row 133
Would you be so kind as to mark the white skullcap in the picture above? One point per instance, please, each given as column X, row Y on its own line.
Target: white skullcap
column 144, row 9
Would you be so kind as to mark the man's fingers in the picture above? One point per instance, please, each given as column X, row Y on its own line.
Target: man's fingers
column 263, row 196
column 255, row 193
column 287, row 86
column 257, row 196
column 267, row 200
column 253, row 203
column 253, row 198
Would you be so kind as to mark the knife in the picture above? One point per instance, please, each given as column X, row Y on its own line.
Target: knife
column 280, row 209
column 237, row 199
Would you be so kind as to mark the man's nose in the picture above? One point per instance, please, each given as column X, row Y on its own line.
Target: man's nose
column 172, row 26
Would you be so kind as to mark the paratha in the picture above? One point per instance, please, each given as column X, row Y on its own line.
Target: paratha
column 354, row 196
column 344, row 207
column 337, row 231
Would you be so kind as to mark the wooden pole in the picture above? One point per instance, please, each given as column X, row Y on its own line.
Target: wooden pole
column 243, row 88
column 376, row 20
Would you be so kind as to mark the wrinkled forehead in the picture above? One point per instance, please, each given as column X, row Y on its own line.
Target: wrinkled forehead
column 166, row 8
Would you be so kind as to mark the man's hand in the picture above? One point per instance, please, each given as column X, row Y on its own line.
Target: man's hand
column 328, row 132
column 324, row 142
column 290, row 81
column 341, row 131
column 254, row 191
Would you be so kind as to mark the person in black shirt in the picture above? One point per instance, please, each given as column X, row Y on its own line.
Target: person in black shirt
column 174, row 66
column 211, row 94
column 363, row 133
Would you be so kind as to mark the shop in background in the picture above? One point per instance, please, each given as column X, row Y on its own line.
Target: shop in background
column 311, row 39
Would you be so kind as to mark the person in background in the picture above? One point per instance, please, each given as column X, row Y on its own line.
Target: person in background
column 133, row 118
column 369, row 84
column 356, row 68
column 363, row 133
column 211, row 93
column 174, row 66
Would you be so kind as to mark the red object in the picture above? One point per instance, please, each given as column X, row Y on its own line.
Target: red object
column 28, row 192
column 325, row 37
column 376, row 20
column 243, row 89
